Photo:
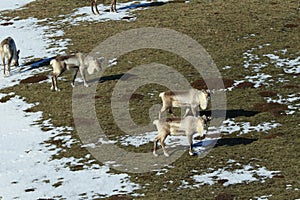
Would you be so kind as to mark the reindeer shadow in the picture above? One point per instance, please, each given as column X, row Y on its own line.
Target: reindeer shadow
column 234, row 141
column 122, row 77
column 37, row 63
column 103, row 79
column 203, row 147
column 215, row 143
column 142, row 5
column 229, row 114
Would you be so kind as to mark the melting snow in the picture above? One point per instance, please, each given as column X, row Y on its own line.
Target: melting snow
column 254, row 62
column 289, row 66
column 234, row 173
column 28, row 172
column 230, row 126
column 85, row 14
column 35, row 40
column 13, row 4
column 292, row 101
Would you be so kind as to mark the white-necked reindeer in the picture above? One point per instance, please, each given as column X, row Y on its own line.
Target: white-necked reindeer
column 175, row 126
column 9, row 54
column 78, row 62
column 113, row 6
column 190, row 99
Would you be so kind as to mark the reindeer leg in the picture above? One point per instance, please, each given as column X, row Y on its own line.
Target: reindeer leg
column 162, row 143
column 186, row 112
column 190, row 140
column 113, row 6
column 97, row 9
column 3, row 62
column 83, row 76
column 194, row 111
column 8, row 66
column 92, row 7
column 55, row 85
column 52, row 86
column 155, row 146
column 95, row 5
column 163, row 109
column 74, row 76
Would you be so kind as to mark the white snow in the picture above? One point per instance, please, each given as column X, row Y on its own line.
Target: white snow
column 289, row 66
column 27, row 170
column 264, row 197
column 35, row 40
column 253, row 62
column 230, row 126
column 291, row 100
column 234, row 173
column 13, row 4
column 85, row 14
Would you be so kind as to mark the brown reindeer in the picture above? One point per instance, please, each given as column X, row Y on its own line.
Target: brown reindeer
column 113, row 6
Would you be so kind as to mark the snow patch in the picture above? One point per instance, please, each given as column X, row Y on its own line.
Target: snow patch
column 28, row 170
column 230, row 175
column 13, row 4
column 230, row 126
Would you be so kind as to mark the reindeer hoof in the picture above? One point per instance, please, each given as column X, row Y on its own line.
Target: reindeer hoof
column 72, row 84
column 166, row 154
column 86, row 85
column 155, row 154
column 7, row 74
column 191, row 153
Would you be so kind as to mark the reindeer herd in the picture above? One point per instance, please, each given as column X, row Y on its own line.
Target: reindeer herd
column 190, row 99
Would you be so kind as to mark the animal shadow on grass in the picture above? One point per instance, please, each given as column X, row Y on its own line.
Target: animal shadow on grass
column 38, row 63
column 122, row 77
column 229, row 113
column 225, row 142
column 234, row 141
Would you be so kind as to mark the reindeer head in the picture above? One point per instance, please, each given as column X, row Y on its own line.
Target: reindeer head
column 15, row 61
column 94, row 64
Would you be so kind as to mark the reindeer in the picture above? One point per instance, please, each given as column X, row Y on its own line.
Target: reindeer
column 176, row 126
column 9, row 53
column 184, row 98
column 77, row 62
column 113, row 6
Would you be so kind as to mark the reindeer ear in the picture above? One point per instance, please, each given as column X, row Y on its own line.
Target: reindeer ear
column 18, row 52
